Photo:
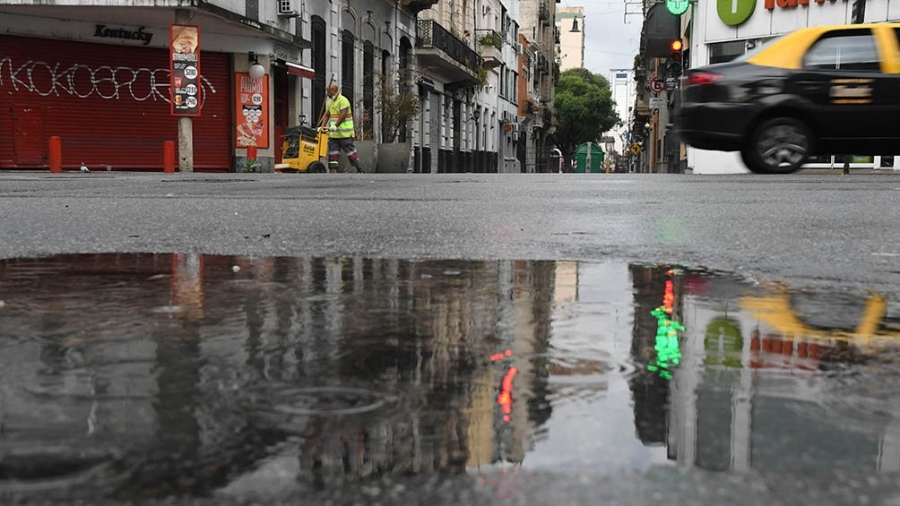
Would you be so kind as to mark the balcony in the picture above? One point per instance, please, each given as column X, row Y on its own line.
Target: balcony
column 490, row 43
column 415, row 6
column 542, row 64
column 444, row 55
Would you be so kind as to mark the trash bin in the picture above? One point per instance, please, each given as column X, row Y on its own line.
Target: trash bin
column 596, row 158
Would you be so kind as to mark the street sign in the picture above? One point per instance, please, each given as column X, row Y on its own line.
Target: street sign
column 636, row 148
column 656, row 86
column 671, row 84
column 657, row 102
column 184, row 70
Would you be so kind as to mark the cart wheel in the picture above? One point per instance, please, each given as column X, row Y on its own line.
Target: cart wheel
column 317, row 168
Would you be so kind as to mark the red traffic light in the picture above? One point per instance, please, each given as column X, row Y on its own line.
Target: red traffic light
column 677, row 45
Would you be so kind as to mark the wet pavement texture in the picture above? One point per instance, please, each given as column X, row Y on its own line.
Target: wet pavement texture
column 234, row 379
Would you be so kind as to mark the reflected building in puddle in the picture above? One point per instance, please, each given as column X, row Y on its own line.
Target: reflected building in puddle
column 650, row 390
column 423, row 331
column 771, row 380
column 297, row 374
column 332, row 369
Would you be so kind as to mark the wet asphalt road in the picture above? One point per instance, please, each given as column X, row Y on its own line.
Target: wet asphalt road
column 819, row 229
column 816, row 230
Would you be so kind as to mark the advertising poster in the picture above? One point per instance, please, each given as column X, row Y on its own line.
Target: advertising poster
column 184, row 68
column 251, row 110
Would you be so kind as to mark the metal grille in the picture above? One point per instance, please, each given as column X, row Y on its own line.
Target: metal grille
column 113, row 120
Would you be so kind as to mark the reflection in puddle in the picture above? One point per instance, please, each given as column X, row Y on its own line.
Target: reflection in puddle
column 668, row 353
column 133, row 376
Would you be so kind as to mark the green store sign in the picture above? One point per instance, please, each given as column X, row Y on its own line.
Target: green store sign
column 735, row 12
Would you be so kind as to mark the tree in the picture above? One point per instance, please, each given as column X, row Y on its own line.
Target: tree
column 585, row 110
column 397, row 102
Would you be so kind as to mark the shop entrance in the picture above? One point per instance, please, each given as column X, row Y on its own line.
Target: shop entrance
column 28, row 138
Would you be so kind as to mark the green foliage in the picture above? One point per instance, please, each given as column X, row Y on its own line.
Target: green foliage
column 584, row 108
column 251, row 165
column 396, row 102
column 491, row 38
column 482, row 75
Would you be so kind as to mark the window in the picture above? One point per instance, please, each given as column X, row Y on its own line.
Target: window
column 726, row 51
column 368, row 112
column 844, row 51
column 755, row 46
column 319, row 64
column 347, row 64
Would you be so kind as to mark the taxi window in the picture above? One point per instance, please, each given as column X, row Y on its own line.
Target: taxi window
column 850, row 51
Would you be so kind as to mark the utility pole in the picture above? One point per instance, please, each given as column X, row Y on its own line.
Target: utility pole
column 185, row 123
column 858, row 15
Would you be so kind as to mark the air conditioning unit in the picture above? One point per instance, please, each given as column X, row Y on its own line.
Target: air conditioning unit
column 518, row 47
column 286, row 9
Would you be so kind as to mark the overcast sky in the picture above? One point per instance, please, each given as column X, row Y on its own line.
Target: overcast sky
column 611, row 40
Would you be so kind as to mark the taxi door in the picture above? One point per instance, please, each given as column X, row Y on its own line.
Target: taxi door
column 854, row 100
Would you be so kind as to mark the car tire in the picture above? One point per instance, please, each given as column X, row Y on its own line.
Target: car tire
column 778, row 146
column 317, row 168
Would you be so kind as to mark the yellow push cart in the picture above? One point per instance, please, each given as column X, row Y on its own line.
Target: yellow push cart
column 303, row 150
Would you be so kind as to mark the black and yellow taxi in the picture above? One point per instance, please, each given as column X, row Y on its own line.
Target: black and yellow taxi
column 823, row 90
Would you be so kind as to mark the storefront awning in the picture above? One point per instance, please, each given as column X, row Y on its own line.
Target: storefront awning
column 300, row 70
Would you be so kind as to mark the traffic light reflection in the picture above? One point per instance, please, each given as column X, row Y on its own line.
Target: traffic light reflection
column 668, row 354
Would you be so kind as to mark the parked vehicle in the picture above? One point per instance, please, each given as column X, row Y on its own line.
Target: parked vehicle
column 818, row 90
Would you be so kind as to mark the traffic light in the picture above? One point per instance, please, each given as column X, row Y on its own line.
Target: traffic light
column 676, row 47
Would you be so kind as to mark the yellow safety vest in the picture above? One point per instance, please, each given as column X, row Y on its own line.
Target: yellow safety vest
column 346, row 129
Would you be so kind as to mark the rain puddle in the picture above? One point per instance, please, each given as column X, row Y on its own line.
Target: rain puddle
column 150, row 376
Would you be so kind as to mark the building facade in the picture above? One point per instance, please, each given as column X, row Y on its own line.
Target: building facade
column 621, row 84
column 714, row 35
column 101, row 80
column 570, row 24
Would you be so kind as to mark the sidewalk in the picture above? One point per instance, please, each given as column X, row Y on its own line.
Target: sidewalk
column 837, row 170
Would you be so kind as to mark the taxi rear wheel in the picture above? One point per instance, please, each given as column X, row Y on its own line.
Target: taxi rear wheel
column 778, row 146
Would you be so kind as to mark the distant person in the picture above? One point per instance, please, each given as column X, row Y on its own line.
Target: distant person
column 339, row 119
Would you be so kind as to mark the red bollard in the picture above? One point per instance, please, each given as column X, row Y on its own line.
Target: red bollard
column 169, row 156
column 55, row 154
column 251, row 152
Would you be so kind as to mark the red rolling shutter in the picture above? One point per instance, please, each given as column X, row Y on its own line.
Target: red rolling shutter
column 109, row 104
